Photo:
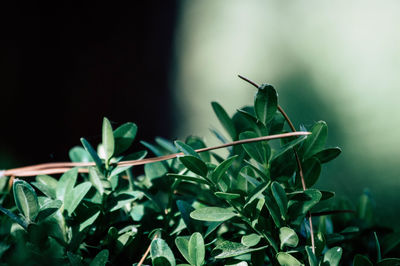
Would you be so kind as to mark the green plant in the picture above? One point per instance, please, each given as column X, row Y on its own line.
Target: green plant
column 256, row 206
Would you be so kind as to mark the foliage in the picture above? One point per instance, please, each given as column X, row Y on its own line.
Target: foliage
column 248, row 208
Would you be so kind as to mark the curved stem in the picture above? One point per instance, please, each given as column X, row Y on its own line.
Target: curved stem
column 300, row 169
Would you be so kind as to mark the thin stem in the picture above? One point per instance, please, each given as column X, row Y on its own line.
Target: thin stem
column 146, row 253
column 303, row 183
column 62, row 167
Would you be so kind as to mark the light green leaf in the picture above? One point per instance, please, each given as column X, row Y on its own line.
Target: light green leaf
column 95, row 157
column 228, row 249
column 194, row 164
column 108, row 139
column 95, row 178
column 88, row 222
column 161, row 253
column 332, row 256
column 250, row 240
column 255, row 150
column 360, row 260
column 224, row 119
column 79, row 154
column 26, row 199
column 73, row 199
column 100, row 259
column 285, row 259
column 280, row 197
column 124, row 136
column 266, row 103
column 220, row 170
column 288, row 237
column 196, row 249
column 213, row 214
column 186, row 149
column 66, row 183
column 155, row 170
column 182, row 243
column 316, row 141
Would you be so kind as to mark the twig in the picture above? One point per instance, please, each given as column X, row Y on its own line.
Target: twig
column 62, row 167
column 303, row 183
column 146, row 253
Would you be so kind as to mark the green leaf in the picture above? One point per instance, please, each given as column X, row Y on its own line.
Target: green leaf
column 155, row 170
column 311, row 172
column 124, row 136
column 18, row 219
column 185, row 209
column 255, row 150
column 288, row 237
column 224, row 119
column 198, row 143
column 73, row 199
column 92, row 153
column 389, row 262
column 257, row 192
column 88, row 222
column 266, row 103
column 228, row 249
column 196, row 249
column 390, row 242
column 194, row 164
column 285, row 259
column 328, row 154
column 108, row 139
column 189, row 178
column 47, row 185
column 250, row 240
column 360, row 260
column 273, row 210
column 96, row 178
column 213, row 214
column 66, row 183
column 161, row 253
column 226, row 195
column 120, row 200
column 316, row 141
column 182, row 243
column 302, row 203
column 311, row 256
column 186, row 149
column 79, row 154
column 100, row 259
column 280, row 197
column 220, row 170
column 74, row 259
column 26, row 200
column 288, row 147
column 332, row 256
column 378, row 248
column 48, row 209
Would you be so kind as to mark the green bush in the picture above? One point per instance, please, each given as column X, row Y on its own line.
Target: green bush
column 252, row 207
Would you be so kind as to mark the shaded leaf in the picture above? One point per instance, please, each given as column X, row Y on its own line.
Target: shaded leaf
column 224, row 119
column 328, row 154
column 161, row 253
column 389, row 262
column 360, row 260
column 316, row 141
column 189, row 178
column 332, row 256
column 378, row 248
column 390, row 242
column 124, row 136
column 226, row 195
column 255, row 150
column 155, row 170
column 100, row 259
column 312, row 260
column 311, row 172
column 48, row 209
column 257, row 192
column 186, row 149
column 220, row 170
column 194, row 164
column 228, row 249
column 266, row 103
column 95, row 157
column 280, row 197
column 273, row 210
column 88, row 222
column 250, row 240
column 18, row 219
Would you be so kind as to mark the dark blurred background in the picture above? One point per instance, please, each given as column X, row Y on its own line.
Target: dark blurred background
column 64, row 67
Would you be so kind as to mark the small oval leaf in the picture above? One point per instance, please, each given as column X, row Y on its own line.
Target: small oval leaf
column 213, row 214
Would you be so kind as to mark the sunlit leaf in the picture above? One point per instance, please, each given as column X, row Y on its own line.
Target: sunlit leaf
column 26, row 199
column 213, row 214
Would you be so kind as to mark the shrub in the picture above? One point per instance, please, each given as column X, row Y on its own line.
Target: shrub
column 190, row 205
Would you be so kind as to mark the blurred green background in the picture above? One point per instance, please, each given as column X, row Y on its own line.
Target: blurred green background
column 334, row 61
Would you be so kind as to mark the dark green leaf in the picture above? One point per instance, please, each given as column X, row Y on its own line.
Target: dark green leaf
column 389, row 262
column 93, row 153
column 250, row 240
column 302, row 203
column 74, row 259
column 311, row 172
column 316, row 141
column 280, row 197
column 378, row 248
column 108, row 139
column 160, row 249
column 257, row 192
column 273, row 210
column 288, row 237
column 155, row 170
column 88, row 222
column 390, row 242
column 198, row 143
column 213, row 214
column 224, row 119
column 360, row 260
column 288, row 147
column 18, row 219
column 328, row 154
column 189, row 178
column 332, row 256
column 285, row 259
column 195, row 165
column 26, row 200
column 185, row 209
column 266, row 103
column 255, row 150
column 124, row 136
column 186, row 149
column 226, row 195
column 196, row 249
column 312, row 260
column 228, row 249
column 48, row 209
column 327, row 194
column 220, row 170
column 100, row 259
